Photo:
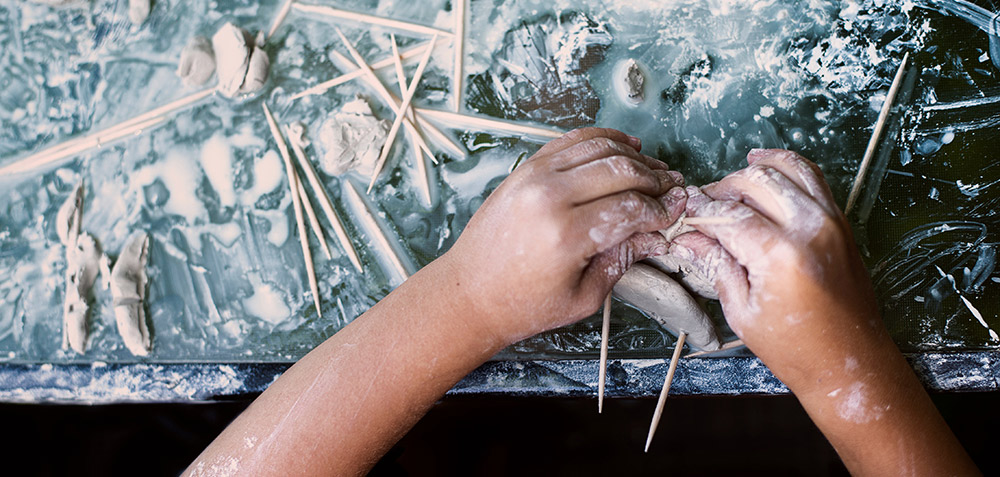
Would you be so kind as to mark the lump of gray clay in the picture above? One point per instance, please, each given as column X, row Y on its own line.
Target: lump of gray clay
column 242, row 66
column 667, row 302
column 197, row 62
column 138, row 11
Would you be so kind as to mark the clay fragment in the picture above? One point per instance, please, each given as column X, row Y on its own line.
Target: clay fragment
column 197, row 62
column 138, row 11
column 128, row 290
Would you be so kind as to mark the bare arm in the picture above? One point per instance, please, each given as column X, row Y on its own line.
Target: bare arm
column 793, row 287
column 542, row 252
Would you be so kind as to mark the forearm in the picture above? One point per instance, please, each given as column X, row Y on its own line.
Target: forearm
column 877, row 415
column 346, row 402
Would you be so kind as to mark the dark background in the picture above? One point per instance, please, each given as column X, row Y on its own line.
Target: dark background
column 760, row 435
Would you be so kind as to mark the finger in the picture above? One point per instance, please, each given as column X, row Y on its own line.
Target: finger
column 580, row 135
column 728, row 276
column 615, row 174
column 595, row 149
column 749, row 237
column 610, row 220
column 803, row 172
column 605, row 269
column 768, row 191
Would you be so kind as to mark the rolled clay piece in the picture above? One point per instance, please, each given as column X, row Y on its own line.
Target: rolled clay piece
column 233, row 47
column 197, row 62
column 668, row 303
column 128, row 290
column 138, row 11
column 257, row 71
column 82, row 264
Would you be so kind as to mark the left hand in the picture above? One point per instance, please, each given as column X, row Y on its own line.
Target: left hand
column 547, row 246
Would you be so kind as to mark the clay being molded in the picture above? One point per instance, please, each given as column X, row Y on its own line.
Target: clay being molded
column 668, row 303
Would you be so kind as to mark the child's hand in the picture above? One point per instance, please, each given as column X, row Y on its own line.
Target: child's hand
column 547, row 246
column 790, row 279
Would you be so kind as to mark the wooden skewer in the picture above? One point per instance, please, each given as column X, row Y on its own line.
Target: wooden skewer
column 357, row 73
column 602, row 372
column 368, row 217
column 418, row 157
column 300, row 222
column 883, row 117
column 666, row 388
column 75, row 146
column 325, row 203
column 466, row 120
column 400, row 115
column 375, row 82
column 370, row 19
column 459, row 51
column 285, row 8
column 313, row 220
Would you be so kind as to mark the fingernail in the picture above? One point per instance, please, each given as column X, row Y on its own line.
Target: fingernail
column 677, row 177
column 677, row 193
column 635, row 142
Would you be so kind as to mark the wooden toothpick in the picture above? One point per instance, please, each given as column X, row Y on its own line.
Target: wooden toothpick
column 883, row 117
column 279, row 18
column 707, row 220
column 370, row 19
column 325, row 203
column 418, row 156
column 404, row 106
column 105, row 136
column 602, row 372
column 300, row 222
column 468, row 121
column 313, row 220
column 666, row 388
column 459, row 47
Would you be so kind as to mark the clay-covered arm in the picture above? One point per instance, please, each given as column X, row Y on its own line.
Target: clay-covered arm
column 793, row 287
column 542, row 251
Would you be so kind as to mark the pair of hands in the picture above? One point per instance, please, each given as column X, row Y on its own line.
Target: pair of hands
column 548, row 245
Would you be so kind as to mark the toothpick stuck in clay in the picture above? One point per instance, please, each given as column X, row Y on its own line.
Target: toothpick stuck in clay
column 72, row 147
column 325, row 203
column 418, row 157
column 279, row 18
column 678, row 347
column 299, row 220
column 358, row 73
column 404, row 106
column 368, row 217
column 603, row 370
column 468, row 121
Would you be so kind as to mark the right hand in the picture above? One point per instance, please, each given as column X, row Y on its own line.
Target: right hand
column 789, row 276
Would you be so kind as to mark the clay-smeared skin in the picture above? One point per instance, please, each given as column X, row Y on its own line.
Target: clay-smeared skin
column 128, row 289
column 668, row 303
column 793, row 287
